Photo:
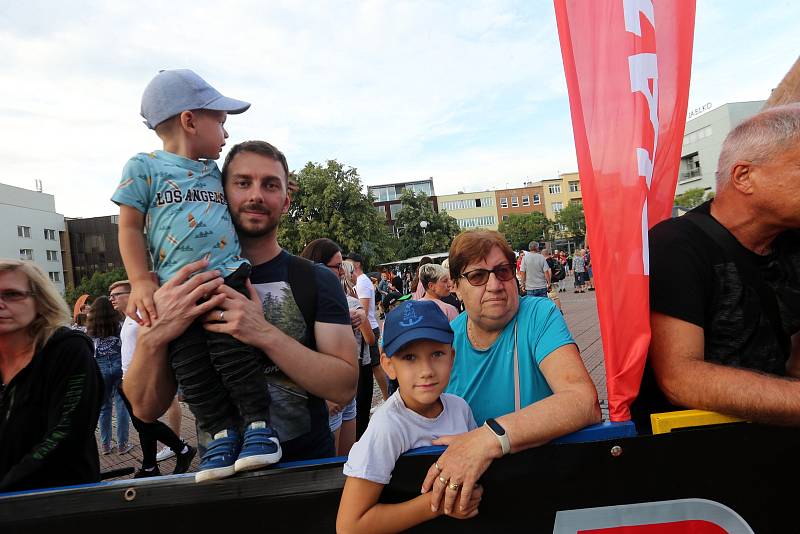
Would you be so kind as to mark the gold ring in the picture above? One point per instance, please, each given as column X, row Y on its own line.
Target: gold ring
column 437, row 466
column 444, row 480
column 454, row 486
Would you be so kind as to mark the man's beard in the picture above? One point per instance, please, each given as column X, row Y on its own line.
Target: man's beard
column 254, row 230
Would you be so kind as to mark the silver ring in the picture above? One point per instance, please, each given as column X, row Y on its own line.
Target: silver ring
column 437, row 466
column 221, row 315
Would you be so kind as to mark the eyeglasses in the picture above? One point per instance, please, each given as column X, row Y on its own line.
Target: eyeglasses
column 337, row 266
column 479, row 277
column 12, row 295
column 113, row 296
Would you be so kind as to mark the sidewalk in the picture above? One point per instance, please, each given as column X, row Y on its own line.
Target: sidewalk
column 580, row 312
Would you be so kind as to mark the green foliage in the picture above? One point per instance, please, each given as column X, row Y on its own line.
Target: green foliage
column 522, row 229
column 330, row 204
column 415, row 240
column 95, row 286
column 573, row 218
column 693, row 197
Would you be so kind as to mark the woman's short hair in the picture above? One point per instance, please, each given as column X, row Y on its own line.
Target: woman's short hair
column 320, row 250
column 51, row 309
column 474, row 245
column 431, row 272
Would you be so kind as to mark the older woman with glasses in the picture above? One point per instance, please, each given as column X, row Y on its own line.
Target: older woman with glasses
column 517, row 367
column 50, row 386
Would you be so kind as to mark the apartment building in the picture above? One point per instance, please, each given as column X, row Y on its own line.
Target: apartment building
column 471, row 210
column 519, row 200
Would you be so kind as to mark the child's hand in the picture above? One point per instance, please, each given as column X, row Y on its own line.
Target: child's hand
column 472, row 508
column 141, row 300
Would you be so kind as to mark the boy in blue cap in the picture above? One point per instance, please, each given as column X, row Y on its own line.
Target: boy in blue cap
column 177, row 195
column 418, row 353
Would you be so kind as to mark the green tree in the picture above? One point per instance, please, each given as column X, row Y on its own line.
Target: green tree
column 95, row 286
column 573, row 218
column 693, row 197
column 415, row 239
column 522, row 229
column 330, row 204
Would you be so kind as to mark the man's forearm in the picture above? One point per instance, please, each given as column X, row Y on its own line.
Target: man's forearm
column 149, row 383
column 324, row 375
column 744, row 393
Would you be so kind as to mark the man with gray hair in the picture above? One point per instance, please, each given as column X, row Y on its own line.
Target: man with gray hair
column 534, row 272
column 725, row 285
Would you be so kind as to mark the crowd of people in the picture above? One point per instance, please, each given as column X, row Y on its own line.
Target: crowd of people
column 276, row 355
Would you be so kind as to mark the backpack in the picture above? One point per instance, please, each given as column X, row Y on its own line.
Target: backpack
column 303, row 283
column 556, row 270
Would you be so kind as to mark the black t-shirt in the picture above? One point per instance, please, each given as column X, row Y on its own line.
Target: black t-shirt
column 48, row 414
column 692, row 279
column 299, row 418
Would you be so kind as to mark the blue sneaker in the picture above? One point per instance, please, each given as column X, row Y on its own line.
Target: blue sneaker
column 260, row 448
column 220, row 457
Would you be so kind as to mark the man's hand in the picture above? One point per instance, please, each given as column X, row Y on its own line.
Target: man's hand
column 141, row 301
column 238, row 316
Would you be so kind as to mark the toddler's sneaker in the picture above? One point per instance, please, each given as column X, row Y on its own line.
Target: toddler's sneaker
column 260, row 448
column 220, row 456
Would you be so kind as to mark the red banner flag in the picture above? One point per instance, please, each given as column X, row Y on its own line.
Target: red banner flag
column 627, row 64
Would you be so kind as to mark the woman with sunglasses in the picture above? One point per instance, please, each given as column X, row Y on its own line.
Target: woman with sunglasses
column 50, row 386
column 516, row 365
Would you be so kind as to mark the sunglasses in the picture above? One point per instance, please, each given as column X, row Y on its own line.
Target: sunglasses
column 337, row 266
column 479, row 277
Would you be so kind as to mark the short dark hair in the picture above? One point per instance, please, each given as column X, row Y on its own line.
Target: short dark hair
column 320, row 250
column 474, row 245
column 257, row 147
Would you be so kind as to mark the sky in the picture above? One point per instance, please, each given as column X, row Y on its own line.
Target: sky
column 470, row 93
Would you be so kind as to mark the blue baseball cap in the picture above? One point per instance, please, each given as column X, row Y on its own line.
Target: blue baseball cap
column 175, row 91
column 413, row 321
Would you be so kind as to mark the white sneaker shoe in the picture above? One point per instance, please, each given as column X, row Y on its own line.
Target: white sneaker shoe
column 164, row 453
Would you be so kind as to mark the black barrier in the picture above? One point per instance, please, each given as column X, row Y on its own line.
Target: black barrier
column 742, row 466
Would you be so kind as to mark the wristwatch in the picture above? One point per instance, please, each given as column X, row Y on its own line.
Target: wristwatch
column 500, row 434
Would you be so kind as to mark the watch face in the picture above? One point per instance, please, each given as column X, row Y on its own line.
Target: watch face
column 496, row 428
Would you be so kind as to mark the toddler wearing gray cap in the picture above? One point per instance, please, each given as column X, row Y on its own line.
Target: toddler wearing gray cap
column 177, row 195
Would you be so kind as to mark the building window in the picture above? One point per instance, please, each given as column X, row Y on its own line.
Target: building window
column 514, row 202
column 477, row 222
column 536, row 199
column 526, row 200
column 55, row 276
column 52, row 255
column 557, row 206
column 690, row 168
column 394, row 209
column 503, row 202
column 26, row 253
column 574, row 186
column 24, row 231
column 696, row 135
column 505, row 217
column 49, row 234
column 554, row 188
column 487, row 202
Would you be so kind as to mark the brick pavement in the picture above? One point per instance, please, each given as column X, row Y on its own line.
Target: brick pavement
column 580, row 312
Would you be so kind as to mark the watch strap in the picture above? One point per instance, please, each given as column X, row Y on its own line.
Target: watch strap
column 505, row 444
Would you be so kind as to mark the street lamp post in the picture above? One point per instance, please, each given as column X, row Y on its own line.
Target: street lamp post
column 424, row 225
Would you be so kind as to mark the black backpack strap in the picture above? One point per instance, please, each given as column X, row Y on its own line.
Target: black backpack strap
column 734, row 251
column 303, row 282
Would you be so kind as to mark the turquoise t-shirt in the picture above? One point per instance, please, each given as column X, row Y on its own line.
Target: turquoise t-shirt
column 485, row 378
column 186, row 214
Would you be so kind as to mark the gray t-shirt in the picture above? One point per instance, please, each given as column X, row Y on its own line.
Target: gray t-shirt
column 534, row 266
column 394, row 429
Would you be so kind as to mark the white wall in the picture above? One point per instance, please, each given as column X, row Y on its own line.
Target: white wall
column 22, row 207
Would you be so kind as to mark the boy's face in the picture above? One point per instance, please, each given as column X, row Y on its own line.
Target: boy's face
column 422, row 368
column 210, row 133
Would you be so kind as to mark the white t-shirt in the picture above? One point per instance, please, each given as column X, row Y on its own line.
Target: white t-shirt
column 394, row 429
column 365, row 290
column 127, row 335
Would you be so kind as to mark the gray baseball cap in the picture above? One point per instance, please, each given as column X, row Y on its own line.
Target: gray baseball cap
column 174, row 91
